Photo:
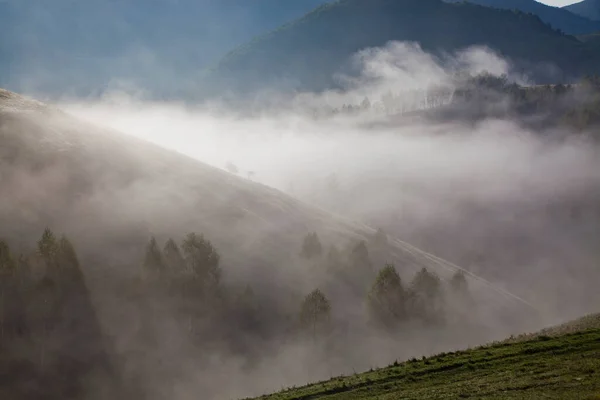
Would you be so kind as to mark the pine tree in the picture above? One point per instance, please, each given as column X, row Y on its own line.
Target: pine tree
column 311, row 246
column 48, row 250
column 7, row 283
column 172, row 257
column 153, row 260
column 359, row 256
column 458, row 283
column 202, row 259
column 386, row 299
column 315, row 313
column 426, row 296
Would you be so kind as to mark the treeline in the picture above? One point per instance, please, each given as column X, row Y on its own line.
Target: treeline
column 390, row 303
column 50, row 338
column 50, row 334
column 575, row 106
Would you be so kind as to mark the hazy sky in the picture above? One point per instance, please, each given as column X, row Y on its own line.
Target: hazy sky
column 558, row 3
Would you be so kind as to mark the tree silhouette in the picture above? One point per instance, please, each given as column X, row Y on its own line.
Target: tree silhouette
column 173, row 259
column 315, row 313
column 426, row 296
column 202, row 259
column 386, row 299
column 154, row 265
column 311, row 246
column 231, row 168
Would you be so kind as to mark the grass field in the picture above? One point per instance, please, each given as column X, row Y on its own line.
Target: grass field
column 545, row 367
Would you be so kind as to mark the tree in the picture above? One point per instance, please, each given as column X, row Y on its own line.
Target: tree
column 153, row 259
column 359, row 256
column 458, row 283
column 311, row 246
column 7, row 283
column 426, row 296
column 386, row 299
column 315, row 313
column 66, row 256
column 231, row 168
column 202, row 259
column 48, row 249
column 459, row 288
column 172, row 257
column 366, row 104
column 380, row 238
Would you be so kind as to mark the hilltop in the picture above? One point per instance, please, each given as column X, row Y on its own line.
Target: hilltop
column 305, row 54
column 565, row 19
column 587, row 8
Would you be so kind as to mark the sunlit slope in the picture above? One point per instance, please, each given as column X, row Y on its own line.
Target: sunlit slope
column 103, row 186
column 561, row 367
column 588, row 322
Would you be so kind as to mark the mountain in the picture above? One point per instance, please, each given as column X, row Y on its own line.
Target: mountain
column 565, row 18
column 307, row 53
column 157, row 189
column 79, row 48
column 110, row 193
column 587, row 8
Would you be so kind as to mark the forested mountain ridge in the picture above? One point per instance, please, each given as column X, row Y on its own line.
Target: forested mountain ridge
column 306, row 54
column 559, row 18
column 586, row 8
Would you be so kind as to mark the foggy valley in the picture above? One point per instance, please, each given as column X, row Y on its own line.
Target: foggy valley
column 230, row 246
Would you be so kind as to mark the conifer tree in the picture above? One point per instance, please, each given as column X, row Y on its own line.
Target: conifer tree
column 315, row 313
column 426, row 296
column 48, row 250
column 172, row 257
column 7, row 282
column 153, row 259
column 386, row 299
column 202, row 259
column 311, row 246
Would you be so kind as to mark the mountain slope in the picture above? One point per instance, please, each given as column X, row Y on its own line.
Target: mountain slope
column 308, row 52
column 62, row 172
column 587, row 8
column 559, row 18
column 65, row 46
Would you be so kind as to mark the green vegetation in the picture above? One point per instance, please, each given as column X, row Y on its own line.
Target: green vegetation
column 563, row 367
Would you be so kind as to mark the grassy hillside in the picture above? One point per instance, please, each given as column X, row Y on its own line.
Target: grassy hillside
column 561, row 367
column 305, row 54
column 586, row 8
column 559, row 18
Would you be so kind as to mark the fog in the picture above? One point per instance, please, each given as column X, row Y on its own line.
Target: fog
column 494, row 180
column 491, row 196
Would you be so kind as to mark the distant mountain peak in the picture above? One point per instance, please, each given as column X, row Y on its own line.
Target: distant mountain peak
column 587, row 8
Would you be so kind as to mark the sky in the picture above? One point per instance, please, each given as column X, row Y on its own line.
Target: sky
column 558, row 3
